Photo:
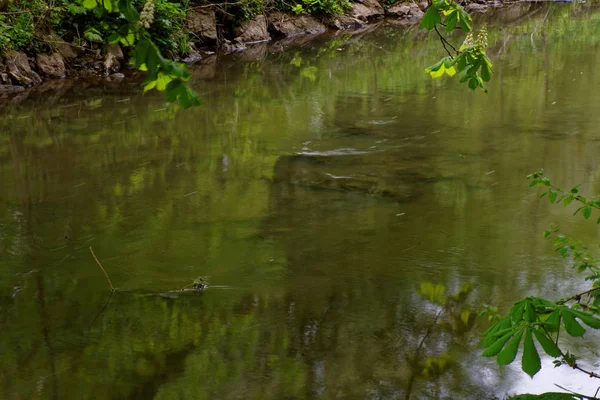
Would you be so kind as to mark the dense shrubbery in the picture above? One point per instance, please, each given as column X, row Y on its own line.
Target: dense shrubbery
column 317, row 7
column 25, row 24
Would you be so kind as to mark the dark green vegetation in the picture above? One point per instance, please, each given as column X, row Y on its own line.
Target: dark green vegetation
column 316, row 189
column 24, row 24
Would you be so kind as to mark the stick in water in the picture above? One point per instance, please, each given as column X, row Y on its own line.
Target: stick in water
column 102, row 268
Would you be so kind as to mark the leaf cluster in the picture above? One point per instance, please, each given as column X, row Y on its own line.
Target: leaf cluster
column 542, row 319
column 163, row 74
column 565, row 196
column 452, row 12
column 539, row 318
column 470, row 60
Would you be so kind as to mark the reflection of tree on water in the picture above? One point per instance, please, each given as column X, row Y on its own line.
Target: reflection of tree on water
column 359, row 334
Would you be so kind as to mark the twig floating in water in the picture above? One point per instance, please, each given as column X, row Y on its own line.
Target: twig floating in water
column 102, row 268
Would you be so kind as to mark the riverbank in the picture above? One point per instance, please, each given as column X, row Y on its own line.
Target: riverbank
column 59, row 50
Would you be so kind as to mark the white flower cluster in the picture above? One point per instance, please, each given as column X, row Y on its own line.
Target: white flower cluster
column 469, row 41
column 482, row 38
column 147, row 14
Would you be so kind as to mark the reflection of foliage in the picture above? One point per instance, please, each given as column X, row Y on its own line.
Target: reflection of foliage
column 451, row 317
column 309, row 73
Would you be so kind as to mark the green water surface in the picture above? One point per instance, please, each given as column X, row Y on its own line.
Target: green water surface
column 320, row 184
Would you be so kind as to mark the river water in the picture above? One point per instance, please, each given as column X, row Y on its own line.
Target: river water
column 318, row 190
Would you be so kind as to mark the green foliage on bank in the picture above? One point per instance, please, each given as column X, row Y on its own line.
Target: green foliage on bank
column 26, row 25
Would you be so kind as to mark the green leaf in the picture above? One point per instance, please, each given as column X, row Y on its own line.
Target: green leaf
column 152, row 62
column 435, row 67
column 464, row 24
column 495, row 348
column 113, row 38
column 473, row 84
column 486, row 73
column 141, row 52
column 552, row 196
column 109, row 5
column 128, row 10
column 461, row 62
column 587, row 211
column 517, row 310
column 93, row 35
column 451, row 21
column 530, row 363
column 572, row 327
column 530, row 312
column 504, row 323
column 587, row 319
column 508, row 354
column 553, row 321
column 430, row 19
column 568, row 201
column 128, row 40
column 178, row 90
column 89, row 4
column 548, row 345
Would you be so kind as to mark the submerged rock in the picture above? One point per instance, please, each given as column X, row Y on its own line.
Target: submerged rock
column 202, row 23
column 193, row 55
column 292, row 25
column 359, row 173
column 232, row 47
column 20, row 71
column 10, row 89
column 253, row 30
column 254, row 52
column 51, row 65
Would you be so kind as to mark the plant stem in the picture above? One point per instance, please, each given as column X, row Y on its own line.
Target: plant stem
column 102, row 268
column 445, row 42
column 578, row 295
column 590, row 373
